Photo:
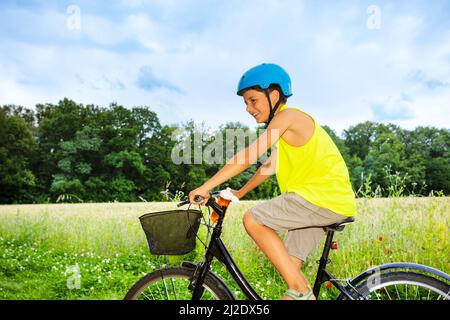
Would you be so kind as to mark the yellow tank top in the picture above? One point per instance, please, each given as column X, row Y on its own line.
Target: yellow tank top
column 316, row 171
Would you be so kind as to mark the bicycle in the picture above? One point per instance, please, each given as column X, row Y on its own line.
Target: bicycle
column 197, row 281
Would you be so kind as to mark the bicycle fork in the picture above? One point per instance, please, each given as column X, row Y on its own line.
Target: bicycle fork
column 196, row 285
column 198, row 278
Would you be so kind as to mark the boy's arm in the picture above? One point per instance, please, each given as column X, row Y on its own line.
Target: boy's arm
column 265, row 171
column 246, row 157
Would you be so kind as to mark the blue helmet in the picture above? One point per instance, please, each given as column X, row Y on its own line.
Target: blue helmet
column 263, row 76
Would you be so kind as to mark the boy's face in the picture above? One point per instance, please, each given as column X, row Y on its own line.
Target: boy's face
column 257, row 105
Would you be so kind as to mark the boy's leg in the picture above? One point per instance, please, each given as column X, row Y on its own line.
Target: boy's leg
column 298, row 262
column 273, row 247
column 290, row 212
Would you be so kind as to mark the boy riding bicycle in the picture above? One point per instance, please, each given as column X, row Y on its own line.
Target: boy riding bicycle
column 311, row 173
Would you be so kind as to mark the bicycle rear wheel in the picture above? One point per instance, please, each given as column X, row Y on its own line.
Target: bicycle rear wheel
column 172, row 284
column 402, row 285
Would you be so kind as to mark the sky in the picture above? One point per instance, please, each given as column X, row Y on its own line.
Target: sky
column 349, row 61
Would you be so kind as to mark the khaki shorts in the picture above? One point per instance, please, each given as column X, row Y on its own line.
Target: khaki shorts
column 288, row 212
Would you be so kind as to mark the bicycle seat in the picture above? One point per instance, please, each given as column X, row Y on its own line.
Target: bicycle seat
column 340, row 225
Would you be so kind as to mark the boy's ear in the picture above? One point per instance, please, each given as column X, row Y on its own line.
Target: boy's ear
column 275, row 95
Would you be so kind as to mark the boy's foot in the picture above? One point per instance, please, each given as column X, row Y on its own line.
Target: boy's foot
column 292, row 294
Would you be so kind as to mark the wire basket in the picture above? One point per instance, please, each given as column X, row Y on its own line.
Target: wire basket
column 171, row 232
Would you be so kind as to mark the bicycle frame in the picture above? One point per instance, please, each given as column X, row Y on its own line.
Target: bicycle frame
column 217, row 249
column 324, row 275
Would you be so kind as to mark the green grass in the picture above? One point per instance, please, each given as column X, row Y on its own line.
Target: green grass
column 39, row 244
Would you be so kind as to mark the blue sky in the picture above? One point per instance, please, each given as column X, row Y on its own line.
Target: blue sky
column 183, row 58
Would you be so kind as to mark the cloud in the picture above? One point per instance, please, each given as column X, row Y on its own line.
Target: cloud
column 420, row 77
column 393, row 109
column 148, row 81
column 185, row 57
column 434, row 84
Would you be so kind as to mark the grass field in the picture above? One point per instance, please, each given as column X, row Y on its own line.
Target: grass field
column 97, row 251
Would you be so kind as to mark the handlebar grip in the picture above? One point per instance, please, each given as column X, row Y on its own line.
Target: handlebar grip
column 196, row 198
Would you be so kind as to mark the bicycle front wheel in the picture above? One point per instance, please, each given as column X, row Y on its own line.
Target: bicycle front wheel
column 403, row 286
column 173, row 284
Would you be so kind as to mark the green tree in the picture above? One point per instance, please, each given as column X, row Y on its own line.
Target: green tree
column 428, row 157
column 17, row 148
column 385, row 156
column 74, row 163
column 72, row 152
column 359, row 138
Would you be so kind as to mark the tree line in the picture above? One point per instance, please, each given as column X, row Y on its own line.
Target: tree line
column 69, row 152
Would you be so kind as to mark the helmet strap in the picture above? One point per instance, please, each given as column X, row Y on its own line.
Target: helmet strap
column 272, row 110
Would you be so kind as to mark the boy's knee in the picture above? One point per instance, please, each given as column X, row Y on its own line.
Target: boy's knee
column 247, row 220
column 297, row 261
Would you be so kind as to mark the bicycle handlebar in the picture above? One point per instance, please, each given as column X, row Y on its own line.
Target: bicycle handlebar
column 197, row 199
column 211, row 203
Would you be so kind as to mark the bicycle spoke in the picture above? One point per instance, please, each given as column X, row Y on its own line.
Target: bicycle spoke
column 378, row 296
column 408, row 290
column 396, row 289
column 153, row 297
column 174, row 290
column 417, row 291
column 387, row 291
column 165, row 289
column 147, row 297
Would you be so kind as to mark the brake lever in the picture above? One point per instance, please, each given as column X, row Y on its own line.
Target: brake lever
column 183, row 203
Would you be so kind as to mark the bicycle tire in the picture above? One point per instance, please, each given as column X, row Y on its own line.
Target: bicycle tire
column 211, row 284
column 380, row 281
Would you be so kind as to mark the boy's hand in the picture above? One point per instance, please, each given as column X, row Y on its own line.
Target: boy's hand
column 201, row 191
column 237, row 193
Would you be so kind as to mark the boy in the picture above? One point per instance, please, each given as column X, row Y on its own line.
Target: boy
column 310, row 170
